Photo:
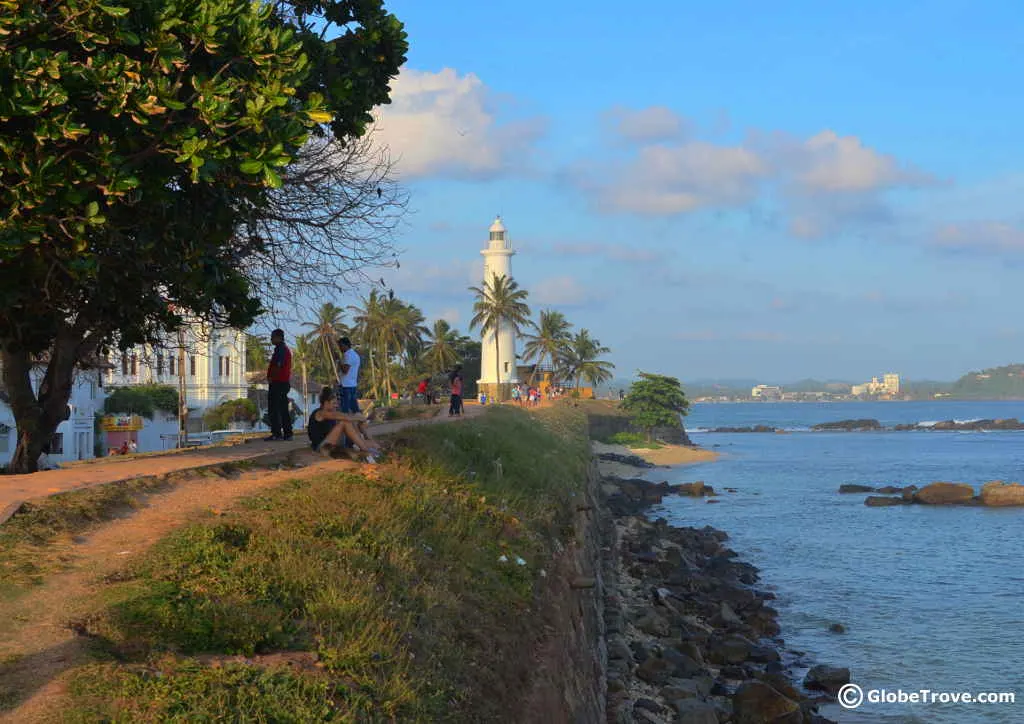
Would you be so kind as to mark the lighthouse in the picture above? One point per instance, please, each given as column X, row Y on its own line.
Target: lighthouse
column 497, row 262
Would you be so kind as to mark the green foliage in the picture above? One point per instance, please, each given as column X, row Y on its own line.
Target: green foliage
column 221, row 416
column 142, row 400
column 632, row 439
column 390, row 332
column 551, row 339
column 256, row 356
column 580, row 359
column 656, row 401
column 139, row 144
column 394, row 583
column 1005, row 382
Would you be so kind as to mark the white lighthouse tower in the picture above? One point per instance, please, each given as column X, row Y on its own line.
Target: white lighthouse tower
column 497, row 262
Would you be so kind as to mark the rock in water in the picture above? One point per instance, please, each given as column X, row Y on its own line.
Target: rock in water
column 881, row 501
column 827, row 678
column 945, row 494
column 998, row 494
column 755, row 702
column 855, row 488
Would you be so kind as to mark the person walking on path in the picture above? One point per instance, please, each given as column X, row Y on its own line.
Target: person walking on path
column 279, row 375
column 423, row 391
column 349, row 377
column 455, row 380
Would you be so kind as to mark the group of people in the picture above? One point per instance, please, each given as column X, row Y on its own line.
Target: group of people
column 337, row 424
column 531, row 396
column 428, row 396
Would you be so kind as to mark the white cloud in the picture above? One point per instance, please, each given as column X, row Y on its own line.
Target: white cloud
column 823, row 184
column 656, row 123
column 664, row 180
column 986, row 236
column 559, row 291
column 614, row 252
column 451, row 315
column 446, row 124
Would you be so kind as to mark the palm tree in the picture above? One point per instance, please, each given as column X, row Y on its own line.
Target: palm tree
column 366, row 318
column 550, row 341
column 500, row 302
column 580, row 360
column 324, row 334
column 440, row 353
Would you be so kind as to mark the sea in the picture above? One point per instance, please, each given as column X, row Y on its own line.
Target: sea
column 931, row 598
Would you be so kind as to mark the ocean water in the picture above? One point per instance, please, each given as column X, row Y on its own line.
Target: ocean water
column 932, row 598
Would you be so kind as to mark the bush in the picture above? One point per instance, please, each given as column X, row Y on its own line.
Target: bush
column 221, row 416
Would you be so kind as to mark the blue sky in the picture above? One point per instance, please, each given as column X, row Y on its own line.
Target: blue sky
column 725, row 189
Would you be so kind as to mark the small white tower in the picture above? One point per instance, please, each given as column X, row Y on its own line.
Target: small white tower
column 497, row 262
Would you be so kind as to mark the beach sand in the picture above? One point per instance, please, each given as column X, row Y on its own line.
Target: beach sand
column 665, row 455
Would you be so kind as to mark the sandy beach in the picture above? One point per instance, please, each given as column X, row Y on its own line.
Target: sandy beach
column 665, row 455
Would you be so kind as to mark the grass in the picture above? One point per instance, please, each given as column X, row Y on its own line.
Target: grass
column 407, row 412
column 404, row 582
column 36, row 541
column 633, row 440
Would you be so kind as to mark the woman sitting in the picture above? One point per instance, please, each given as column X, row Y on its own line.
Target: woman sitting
column 327, row 425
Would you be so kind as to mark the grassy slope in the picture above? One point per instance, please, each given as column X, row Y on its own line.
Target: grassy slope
column 392, row 580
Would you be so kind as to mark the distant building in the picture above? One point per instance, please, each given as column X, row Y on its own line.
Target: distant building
column 766, row 392
column 888, row 386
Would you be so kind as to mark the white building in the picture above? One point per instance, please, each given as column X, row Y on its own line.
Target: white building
column 74, row 439
column 766, row 392
column 889, row 385
column 212, row 361
column 498, row 355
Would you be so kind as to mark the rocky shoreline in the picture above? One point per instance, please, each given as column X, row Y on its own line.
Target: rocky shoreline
column 995, row 494
column 872, row 425
column 690, row 638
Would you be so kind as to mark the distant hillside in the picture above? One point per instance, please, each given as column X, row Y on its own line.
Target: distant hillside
column 1005, row 382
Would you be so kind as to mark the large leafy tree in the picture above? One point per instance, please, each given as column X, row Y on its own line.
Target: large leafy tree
column 256, row 358
column 656, row 401
column 500, row 303
column 550, row 339
column 141, row 143
column 581, row 359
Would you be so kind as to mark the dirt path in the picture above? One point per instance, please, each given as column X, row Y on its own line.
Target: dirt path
column 38, row 643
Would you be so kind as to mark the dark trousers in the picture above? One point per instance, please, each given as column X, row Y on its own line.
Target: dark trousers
column 455, row 405
column 280, row 420
column 349, row 400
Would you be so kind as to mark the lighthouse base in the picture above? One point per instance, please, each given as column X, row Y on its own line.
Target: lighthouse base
column 495, row 391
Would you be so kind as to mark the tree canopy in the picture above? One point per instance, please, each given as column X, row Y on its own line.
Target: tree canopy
column 142, row 400
column 656, row 401
column 141, row 144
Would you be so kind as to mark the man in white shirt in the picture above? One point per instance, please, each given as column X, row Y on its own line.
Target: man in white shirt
column 349, row 377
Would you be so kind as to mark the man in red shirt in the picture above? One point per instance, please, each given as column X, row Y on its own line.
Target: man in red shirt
column 421, row 390
column 279, row 375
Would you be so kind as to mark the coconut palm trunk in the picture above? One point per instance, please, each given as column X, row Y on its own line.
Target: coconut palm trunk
column 497, row 363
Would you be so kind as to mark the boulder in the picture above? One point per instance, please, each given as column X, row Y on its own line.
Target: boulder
column 998, row 494
column 837, row 628
column 762, row 654
column 889, row 490
column 755, row 702
column 654, row 671
column 848, row 425
column 683, row 666
column 855, row 488
column 908, row 493
column 881, row 501
column 729, row 650
column 826, row 678
column 945, row 494
column 692, row 711
column 680, row 689
column 654, row 624
column 695, row 490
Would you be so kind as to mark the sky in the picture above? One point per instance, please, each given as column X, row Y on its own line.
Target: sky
column 724, row 190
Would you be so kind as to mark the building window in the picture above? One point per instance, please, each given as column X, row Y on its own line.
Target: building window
column 135, row 365
column 192, row 366
column 159, row 363
column 57, row 444
column 506, row 367
column 227, row 366
column 124, row 365
column 170, row 365
column 5, row 438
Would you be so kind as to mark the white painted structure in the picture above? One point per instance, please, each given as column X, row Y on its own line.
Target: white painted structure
column 498, row 262
column 74, row 439
column 214, row 366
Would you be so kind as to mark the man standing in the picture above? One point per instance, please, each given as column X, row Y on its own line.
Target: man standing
column 279, row 375
column 349, row 376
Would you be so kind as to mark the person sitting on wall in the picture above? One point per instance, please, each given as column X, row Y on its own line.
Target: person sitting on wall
column 327, row 426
